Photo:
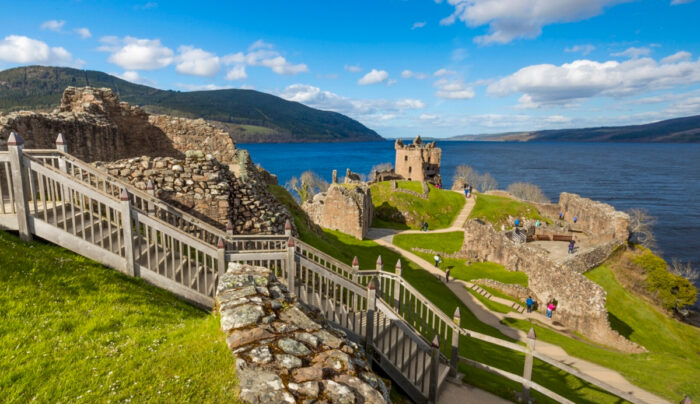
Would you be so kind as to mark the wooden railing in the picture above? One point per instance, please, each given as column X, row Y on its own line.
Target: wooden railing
column 57, row 197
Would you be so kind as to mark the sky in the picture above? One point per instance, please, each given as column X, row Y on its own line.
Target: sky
column 435, row 68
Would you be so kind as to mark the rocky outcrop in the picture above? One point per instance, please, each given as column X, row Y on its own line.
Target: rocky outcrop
column 287, row 353
column 206, row 188
column 581, row 301
column 346, row 208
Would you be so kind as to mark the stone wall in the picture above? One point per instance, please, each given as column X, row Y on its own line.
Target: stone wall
column 98, row 127
column 595, row 218
column 287, row 353
column 517, row 291
column 425, row 195
column 589, row 258
column 206, row 188
column 581, row 301
column 418, row 161
column 347, row 209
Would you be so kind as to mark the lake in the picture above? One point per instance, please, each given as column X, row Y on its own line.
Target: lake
column 664, row 179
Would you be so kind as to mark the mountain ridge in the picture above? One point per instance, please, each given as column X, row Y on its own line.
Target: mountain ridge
column 250, row 116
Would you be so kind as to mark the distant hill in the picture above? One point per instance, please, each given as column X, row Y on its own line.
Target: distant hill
column 678, row 130
column 250, row 116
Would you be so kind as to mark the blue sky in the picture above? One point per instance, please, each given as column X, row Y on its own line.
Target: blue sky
column 435, row 68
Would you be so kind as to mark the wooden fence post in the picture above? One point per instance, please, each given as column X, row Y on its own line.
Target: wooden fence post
column 356, row 269
column 454, row 359
column 527, row 372
column 15, row 144
column 221, row 256
column 229, row 228
column 128, row 232
column 150, row 190
column 397, row 286
column 291, row 266
column 434, row 370
column 287, row 228
column 371, row 308
column 62, row 147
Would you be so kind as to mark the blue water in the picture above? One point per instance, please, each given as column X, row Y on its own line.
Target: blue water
column 661, row 178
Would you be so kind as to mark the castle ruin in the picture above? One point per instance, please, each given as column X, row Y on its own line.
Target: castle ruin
column 418, row 161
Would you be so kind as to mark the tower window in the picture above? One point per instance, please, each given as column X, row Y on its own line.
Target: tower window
column 405, row 158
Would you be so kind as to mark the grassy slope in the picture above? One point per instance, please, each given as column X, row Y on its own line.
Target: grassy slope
column 449, row 243
column 439, row 211
column 497, row 209
column 72, row 330
column 345, row 248
column 670, row 369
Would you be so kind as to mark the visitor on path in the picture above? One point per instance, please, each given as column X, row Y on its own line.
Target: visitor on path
column 470, row 189
column 437, row 260
column 537, row 223
column 561, row 215
column 571, row 246
column 575, row 219
column 424, row 226
column 447, row 275
column 529, row 302
column 517, row 223
column 550, row 308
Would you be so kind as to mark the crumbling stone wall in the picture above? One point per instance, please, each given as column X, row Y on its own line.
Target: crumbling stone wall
column 98, row 127
column 347, row 209
column 287, row 353
column 581, row 301
column 206, row 188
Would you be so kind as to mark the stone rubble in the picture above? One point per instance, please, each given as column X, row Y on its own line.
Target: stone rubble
column 296, row 357
column 344, row 207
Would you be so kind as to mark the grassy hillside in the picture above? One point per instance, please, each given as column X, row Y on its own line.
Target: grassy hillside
column 243, row 112
column 72, row 330
column 399, row 210
column 500, row 210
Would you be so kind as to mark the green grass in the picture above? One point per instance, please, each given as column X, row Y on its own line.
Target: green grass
column 415, row 186
column 670, row 369
column 439, row 210
column 497, row 210
column 491, row 305
column 72, row 330
column 451, row 242
column 345, row 247
column 502, row 295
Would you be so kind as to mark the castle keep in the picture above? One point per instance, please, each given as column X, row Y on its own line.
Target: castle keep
column 418, row 161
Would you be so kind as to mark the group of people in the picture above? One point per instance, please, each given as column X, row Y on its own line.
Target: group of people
column 551, row 306
column 467, row 190
column 561, row 217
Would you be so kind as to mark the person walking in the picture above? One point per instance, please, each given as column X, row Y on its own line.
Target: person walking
column 571, row 247
column 575, row 219
column 550, row 309
column 437, row 260
column 561, row 215
column 447, row 275
column 529, row 302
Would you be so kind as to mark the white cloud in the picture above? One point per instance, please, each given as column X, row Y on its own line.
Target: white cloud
column 419, row 24
column 677, row 2
column 453, row 90
column 548, row 84
column 584, row 49
column 386, row 117
column 633, row 52
column 201, row 87
column 443, row 72
column 373, row 77
column 137, row 54
column 261, row 53
column 408, row 74
column 83, row 32
column 677, row 57
column 21, row 49
column 53, row 25
column 427, row 117
column 197, row 62
column 236, row 73
column 354, row 69
column 134, row 77
column 510, row 19
column 410, row 103
column 557, row 119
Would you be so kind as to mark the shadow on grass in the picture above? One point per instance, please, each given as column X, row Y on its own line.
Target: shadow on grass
column 620, row 326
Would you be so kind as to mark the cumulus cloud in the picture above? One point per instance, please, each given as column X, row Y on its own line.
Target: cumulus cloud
column 261, row 53
column 443, row 72
column 137, row 54
column 197, row 62
column 201, row 87
column 677, row 57
column 547, row 84
column 373, row 77
column 677, row 2
column 408, row 74
column 236, row 73
column 453, row 89
column 53, row 25
column 419, row 24
column 354, row 69
column 83, row 32
column 511, row 19
column 21, row 49
column 633, row 52
column 583, row 49
column 410, row 103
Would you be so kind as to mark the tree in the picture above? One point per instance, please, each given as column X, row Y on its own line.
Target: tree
column 481, row 182
column 307, row 185
column 684, row 269
column 527, row 192
column 487, row 182
column 640, row 228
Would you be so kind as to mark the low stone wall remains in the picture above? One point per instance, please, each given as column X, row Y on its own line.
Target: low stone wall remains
column 589, row 258
column 347, row 209
column 581, row 301
column 517, row 291
column 425, row 195
column 287, row 353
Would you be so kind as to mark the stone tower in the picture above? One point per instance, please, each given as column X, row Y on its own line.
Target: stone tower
column 418, row 161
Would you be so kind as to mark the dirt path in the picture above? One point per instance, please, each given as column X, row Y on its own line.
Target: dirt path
column 384, row 237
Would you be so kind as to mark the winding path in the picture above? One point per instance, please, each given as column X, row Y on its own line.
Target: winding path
column 384, row 237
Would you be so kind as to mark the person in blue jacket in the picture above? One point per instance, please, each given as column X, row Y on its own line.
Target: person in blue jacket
column 529, row 302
